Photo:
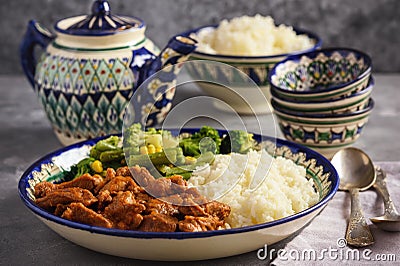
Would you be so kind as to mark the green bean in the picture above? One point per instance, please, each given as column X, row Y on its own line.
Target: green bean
column 114, row 155
column 105, row 146
column 163, row 169
column 95, row 153
column 186, row 175
column 139, row 159
column 179, row 170
column 166, row 156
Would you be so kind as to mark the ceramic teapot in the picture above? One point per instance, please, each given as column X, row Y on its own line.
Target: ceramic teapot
column 92, row 67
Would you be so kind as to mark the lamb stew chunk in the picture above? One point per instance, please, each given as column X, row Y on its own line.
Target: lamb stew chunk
column 117, row 201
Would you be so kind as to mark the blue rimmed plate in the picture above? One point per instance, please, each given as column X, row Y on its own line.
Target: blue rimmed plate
column 180, row 245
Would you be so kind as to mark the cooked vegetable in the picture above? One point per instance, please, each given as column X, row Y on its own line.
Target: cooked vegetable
column 207, row 139
column 168, row 140
column 155, row 140
column 237, row 141
column 190, row 160
column 112, row 156
column 143, row 150
column 82, row 167
column 97, row 166
column 137, row 141
column 134, row 139
column 167, row 156
column 151, row 149
column 107, row 149
column 161, row 149
column 110, row 143
column 186, row 170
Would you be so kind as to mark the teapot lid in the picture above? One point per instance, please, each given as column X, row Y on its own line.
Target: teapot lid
column 100, row 22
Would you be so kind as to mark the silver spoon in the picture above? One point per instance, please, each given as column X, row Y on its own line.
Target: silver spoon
column 357, row 173
column 390, row 220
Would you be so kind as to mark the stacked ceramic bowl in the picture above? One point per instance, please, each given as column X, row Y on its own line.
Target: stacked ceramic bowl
column 322, row 99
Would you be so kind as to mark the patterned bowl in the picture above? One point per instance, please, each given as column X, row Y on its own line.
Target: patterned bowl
column 196, row 245
column 255, row 67
column 325, row 133
column 321, row 75
column 348, row 104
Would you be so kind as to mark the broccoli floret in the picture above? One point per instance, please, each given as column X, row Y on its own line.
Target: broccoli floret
column 134, row 136
column 208, row 144
column 237, row 141
column 190, row 147
column 210, row 132
column 207, row 139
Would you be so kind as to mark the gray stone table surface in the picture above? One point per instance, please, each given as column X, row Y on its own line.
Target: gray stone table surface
column 26, row 135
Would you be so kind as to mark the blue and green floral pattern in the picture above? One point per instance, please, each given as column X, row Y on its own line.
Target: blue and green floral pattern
column 84, row 76
column 315, row 135
column 86, row 98
column 230, row 74
column 319, row 72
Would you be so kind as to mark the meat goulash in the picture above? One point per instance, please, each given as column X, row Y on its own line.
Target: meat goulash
column 117, row 201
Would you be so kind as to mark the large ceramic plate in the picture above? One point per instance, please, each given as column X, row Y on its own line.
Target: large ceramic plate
column 180, row 245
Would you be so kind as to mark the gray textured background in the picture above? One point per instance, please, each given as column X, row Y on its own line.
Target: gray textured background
column 372, row 26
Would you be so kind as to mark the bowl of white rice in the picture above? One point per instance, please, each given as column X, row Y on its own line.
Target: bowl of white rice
column 252, row 45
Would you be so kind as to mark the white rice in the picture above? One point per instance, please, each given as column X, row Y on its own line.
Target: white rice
column 251, row 36
column 242, row 182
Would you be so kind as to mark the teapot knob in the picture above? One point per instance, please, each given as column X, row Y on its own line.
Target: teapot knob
column 101, row 7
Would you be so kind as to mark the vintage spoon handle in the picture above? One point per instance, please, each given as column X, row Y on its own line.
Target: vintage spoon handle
column 381, row 187
column 358, row 233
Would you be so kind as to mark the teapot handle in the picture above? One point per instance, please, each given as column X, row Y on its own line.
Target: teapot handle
column 35, row 35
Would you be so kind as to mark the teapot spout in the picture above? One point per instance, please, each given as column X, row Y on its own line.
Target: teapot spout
column 177, row 51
